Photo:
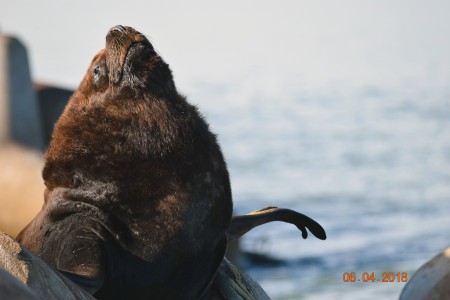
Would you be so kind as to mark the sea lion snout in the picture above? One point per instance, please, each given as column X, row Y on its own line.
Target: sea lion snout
column 119, row 41
column 119, row 28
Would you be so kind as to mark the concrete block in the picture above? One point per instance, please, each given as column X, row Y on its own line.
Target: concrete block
column 19, row 112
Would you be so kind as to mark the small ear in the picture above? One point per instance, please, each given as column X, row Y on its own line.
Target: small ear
column 242, row 224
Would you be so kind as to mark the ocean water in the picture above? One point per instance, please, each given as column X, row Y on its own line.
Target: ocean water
column 372, row 165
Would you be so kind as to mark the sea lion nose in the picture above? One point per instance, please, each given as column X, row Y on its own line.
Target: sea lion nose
column 119, row 28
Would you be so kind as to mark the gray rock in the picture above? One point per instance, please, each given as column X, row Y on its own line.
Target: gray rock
column 19, row 112
column 12, row 288
column 42, row 281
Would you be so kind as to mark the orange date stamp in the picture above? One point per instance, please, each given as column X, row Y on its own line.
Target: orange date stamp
column 371, row 277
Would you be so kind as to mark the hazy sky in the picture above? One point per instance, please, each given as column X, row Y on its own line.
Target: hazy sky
column 264, row 44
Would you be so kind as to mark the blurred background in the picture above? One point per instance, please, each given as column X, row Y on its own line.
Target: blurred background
column 337, row 109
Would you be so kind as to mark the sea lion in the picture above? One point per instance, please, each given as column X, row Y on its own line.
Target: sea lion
column 138, row 198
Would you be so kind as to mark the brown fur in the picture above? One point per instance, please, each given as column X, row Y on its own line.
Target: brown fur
column 133, row 166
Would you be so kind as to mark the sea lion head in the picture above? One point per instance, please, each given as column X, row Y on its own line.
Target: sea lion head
column 131, row 61
column 127, row 68
column 126, row 107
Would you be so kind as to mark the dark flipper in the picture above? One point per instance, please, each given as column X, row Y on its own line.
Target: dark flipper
column 242, row 224
column 82, row 259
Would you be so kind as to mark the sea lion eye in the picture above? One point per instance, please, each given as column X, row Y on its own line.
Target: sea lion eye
column 96, row 70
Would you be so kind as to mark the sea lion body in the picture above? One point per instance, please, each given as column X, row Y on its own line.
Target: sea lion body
column 137, row 199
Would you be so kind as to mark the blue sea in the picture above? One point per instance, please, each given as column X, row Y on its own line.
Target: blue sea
column 372, row 165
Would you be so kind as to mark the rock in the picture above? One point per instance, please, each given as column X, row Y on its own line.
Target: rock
column 22, row 187
column 19, row 113
column 232, row 283
column 12, row 288
column 42, row 282
column 431, row 281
